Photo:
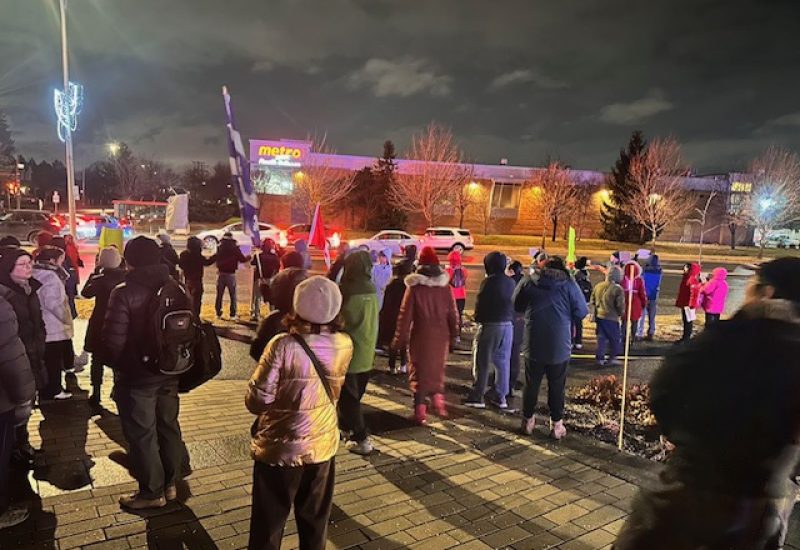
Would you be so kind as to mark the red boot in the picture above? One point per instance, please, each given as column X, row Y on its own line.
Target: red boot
column 421, row 414
column 438, row 405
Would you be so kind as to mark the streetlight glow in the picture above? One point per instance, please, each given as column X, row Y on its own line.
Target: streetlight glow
column 113, row 148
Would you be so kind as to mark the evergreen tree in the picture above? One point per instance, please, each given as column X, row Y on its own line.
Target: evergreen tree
column 7, row 149
column 386, row 216
column 618, row 224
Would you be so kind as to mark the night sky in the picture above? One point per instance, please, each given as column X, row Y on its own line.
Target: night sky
column 525, row 80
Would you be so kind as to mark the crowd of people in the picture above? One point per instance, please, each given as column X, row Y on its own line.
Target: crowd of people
column 316, row 350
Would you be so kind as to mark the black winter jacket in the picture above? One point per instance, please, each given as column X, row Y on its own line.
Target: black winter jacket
column 29, row 322
column 192, row 264
column 229, row 256
column 17, row 384
column 99, row 287
column 270, row 264
column 281, row 295
column 392, row 299
column 125, row 326
column 170, row 259
column 493, row 303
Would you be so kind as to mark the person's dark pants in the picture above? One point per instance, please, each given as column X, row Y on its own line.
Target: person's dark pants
column 633, row 328
column 276, row 489
column 712, row 319
column 514, row 362
column 607, row 336
column 96, row 373
column 351, row 417
column 7, row 442
column 577, row 332
column 195, row 290
column 492, row 346
column 58, row 356
column 149, row 418
column 687, row 326
column 72, row 290
column 556, row 379
column 393, row 353
column 226, row 281
column 460, row 303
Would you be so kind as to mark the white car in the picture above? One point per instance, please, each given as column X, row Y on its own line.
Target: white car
column 393, row 239
column 212, row 237
column 448, row 238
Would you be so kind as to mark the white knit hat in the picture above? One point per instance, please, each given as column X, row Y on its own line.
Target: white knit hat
column 317, row 300
column 109, row 258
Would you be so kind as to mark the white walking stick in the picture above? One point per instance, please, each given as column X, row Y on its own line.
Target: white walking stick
column 627, row 354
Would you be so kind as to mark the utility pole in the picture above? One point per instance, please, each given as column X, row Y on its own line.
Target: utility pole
column 68, row 136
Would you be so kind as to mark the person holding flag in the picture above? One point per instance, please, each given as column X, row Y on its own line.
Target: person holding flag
column 316, row 236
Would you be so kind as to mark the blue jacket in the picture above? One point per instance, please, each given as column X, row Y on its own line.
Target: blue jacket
column 493, row 303
column 551, row 304
column 652, row 278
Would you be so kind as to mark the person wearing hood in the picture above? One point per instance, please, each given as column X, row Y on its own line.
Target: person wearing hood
column 387, row 320
column 58, row 353
column 192, row 264
column 731, row 480
column 228, row 258
column 265, row 264
column 688, row 298
column 458, row 285
column 515, row 271
column 281, row 294
column 634, row 288
column 301, row 247
column 409, row 260
column 9, row 241
column 381, row 272
column 360, row 313
column 494, row 314
column 147, row 401
column 427, row 326
column 106, row 277
column 652, row 282
column 608, row 303
column 168, row 255
column 551, row 303
column 583, row 282
column 713, row 295
column 336, row 270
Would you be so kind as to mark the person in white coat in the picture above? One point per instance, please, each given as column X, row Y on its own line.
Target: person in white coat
column 58, row 354
column 381, row 272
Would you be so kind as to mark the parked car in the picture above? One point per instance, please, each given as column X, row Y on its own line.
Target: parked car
column 394, row 239
column 781, row 241
column 212, row 237
column 302, row 230
column 448, row 238
column 26, row 224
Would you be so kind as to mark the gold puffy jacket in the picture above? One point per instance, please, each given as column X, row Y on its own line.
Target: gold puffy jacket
column 297, row 423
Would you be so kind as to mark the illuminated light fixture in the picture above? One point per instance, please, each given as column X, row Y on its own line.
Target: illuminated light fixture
column 298, row 175
column 113, row 148
column 336, row 240
column 765, row 204
column 473, row 185
column 68, row 104
column 654, row 198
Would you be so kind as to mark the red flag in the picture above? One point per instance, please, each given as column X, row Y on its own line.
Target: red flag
column 316, row 237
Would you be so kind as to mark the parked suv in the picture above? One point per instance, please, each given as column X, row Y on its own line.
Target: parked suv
column 448, row 238
column 26, row 224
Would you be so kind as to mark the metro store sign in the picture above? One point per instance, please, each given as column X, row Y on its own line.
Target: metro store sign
column 289, row 153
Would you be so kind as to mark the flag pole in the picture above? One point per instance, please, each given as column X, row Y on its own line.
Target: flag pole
column 625, row 358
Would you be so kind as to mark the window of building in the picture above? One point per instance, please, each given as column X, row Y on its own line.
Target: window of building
column 506, row 195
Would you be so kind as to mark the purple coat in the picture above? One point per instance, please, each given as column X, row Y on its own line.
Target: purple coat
column 715, row 292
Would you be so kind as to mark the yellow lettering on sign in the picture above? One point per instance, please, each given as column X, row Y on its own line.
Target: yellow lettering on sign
column 741, row 187
column 275, row 151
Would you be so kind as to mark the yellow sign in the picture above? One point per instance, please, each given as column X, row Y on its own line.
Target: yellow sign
column 282, row 151
column 741, row 187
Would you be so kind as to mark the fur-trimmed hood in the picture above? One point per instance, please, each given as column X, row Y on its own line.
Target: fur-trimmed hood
column 418, row 279
column 775, row 309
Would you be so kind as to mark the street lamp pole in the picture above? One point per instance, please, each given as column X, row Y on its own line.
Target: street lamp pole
column 68, row 140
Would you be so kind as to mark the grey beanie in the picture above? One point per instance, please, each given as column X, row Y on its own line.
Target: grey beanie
column 614, row 275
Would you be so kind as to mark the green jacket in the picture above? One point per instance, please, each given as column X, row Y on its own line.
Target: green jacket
column 608, row 300
column 360, row 312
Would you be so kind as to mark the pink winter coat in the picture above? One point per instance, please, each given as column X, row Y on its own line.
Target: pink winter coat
column 633, row 277
column 715, row 292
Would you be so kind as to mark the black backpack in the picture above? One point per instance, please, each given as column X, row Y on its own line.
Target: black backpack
column 586, row 288
column 173, row 331
column 207, row 359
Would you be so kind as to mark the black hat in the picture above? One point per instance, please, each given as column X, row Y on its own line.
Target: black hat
column 10, row 241
column 142, row 251
column 292, row 259
column 9, row 258
column 784, row 275
column 581, row 262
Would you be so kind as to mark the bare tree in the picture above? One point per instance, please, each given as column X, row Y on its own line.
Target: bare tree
column 319, row 182
column 702, row 220
column 465, row 198
column 658, row 195
column 127, row 170
column 481, row 207
column 557, row 195
column 775, row 197
column 435, row 176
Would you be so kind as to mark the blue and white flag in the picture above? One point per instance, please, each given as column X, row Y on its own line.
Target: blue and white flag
column 240, row 172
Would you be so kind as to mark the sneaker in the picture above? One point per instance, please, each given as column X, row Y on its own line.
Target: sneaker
column 578, row 346
column 62, row 395
column 170, row 492
column 600, row 362
column 219, row 316
column 503, row 406
column 363, row 448
column 403, row 369
column 69, row 371
column 135, row 502
column 474, row 403
column 527, row 425
column 81, row 360
column 393, row 370
column 558, row 431
column 613, row 363
column 13, row 516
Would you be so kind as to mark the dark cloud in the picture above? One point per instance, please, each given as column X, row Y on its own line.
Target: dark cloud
column 521, row 79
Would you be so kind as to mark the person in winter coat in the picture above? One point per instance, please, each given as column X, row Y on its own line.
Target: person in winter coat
column 265, row 265
column 168, row 255
column 360, row 313
column 19, row 289
column 583, row 282
column 228, row 258
column 295, row 437
column 458, row 285
column 147, row 401
column 652, row 283
column 70, row 265
column 58, row 353
column 381, row 272
column 515, row 271
column 17, row 392
column 9, row 241
column 634, row 289
column 731, row 481
column 281, row 290
column 301, row 247
column 608, row 302
column 192, row 264
column 387, row 320
column 337, row 269
column 409, row 260
column 552, row 303
column 494, row 314
column 106, row 277
column 714, row 294
column 688, row 298
column 428, row 326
